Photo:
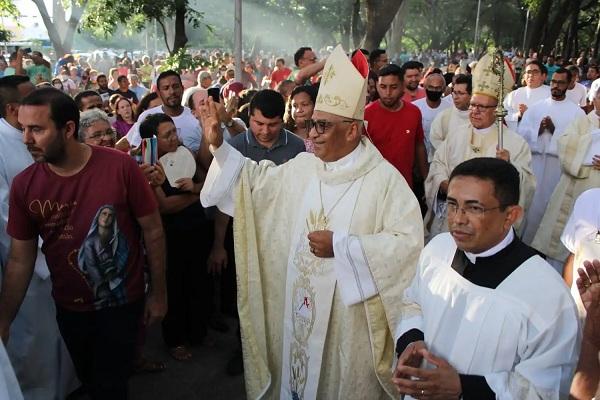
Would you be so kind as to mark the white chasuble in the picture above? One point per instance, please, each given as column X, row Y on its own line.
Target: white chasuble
column 522, row 337
column 464, row 144
column 317, row 328
column 577, row 176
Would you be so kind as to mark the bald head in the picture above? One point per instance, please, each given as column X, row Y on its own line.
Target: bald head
column 435, row 84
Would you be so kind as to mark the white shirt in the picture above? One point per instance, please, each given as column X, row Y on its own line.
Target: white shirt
column 523, row 95
column 593, row 89
column 188, row 128
column 562, row 113
column 428, row 114
column 578, row 94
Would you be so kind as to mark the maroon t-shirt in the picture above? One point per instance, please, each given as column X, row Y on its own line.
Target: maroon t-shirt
column 396, row 134
column 87, row 221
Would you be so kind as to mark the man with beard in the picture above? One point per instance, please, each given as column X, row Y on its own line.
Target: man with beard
column 57, row 199
column 103, row 90
column 455, row 117
column 170, row 90
column 37, row 349
column 431, row 106
column 542, row 126
column 395, row 126
column 412, row 77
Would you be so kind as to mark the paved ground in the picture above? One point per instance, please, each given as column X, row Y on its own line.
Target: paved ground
column 201, row 378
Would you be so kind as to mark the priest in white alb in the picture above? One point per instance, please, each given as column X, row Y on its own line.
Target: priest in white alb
column 497, row 321
column 477, row 139
column 453, row 118
column 542, row 125
column 325, row 246
column 579, row 156
column 517, row 101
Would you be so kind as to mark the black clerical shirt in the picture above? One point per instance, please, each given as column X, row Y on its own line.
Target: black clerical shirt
column 487, row 272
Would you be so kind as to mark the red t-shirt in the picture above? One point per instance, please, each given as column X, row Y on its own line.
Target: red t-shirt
column 88, row 223
column 396, row 134
column 419, row 94
column 279, row 76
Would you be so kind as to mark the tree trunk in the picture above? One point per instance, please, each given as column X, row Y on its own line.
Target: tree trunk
column 181, row 38
column 357, row 24
column 571, row 37
column 538, row 25
column 554, row 28
column 597, row 41
column 380, row 14
column 397, row 29
column 61, row 32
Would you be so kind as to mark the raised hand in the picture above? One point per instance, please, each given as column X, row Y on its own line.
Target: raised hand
column 211, row 125
column 588, row 285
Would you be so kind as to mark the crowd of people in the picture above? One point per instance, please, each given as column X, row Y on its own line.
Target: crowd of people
column 366, row 220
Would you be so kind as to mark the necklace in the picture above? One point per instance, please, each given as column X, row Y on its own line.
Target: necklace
column 324, row 217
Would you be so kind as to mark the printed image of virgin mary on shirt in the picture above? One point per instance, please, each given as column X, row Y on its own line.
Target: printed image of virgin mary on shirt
column 103, row 259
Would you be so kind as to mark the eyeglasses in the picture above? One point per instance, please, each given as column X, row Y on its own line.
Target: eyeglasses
column 109, row 133
column 470, row 210
column 322, row 125
column 479, row 107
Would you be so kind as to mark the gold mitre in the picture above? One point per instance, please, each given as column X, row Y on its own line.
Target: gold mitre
column 343, row 88
column 486, row 76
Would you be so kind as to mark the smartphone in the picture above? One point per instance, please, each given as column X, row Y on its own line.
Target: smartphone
column 150, row 150
column 215, row 94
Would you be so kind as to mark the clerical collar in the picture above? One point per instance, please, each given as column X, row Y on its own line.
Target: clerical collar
column 529, row 90
column 8, row 128
column 510, row 236
column 464, row 114
column 345, row 162
column 483, row 131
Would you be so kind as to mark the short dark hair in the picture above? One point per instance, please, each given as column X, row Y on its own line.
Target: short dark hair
column 412, row 65
column 269, row 102
column 540, row 65
column 503, row 175
column 100, row 76
column 149, row 126
column 308, row 89
column 391, row 69
column 374, row 55
column 82, row 95
column 62, row 107
column 166, row 74
column 562, row 70
column 9, row 91
column 594, row 67
column 300, row 53
column 121, row 78
column 463, row 78
column 280, row 59
column 144, row 103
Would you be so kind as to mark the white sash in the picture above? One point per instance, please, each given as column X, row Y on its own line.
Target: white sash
column 310, row 288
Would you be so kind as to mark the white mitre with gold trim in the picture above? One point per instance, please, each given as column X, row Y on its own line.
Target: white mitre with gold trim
column 343, row 88
column 486, row 76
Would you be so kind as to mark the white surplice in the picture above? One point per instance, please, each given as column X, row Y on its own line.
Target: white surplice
column 9, row 387
column 308, row 322
column 522, row 337
column 523, row 95
column 36, row 349
column 544, row 151
column 581, row 237
column 446, row 122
